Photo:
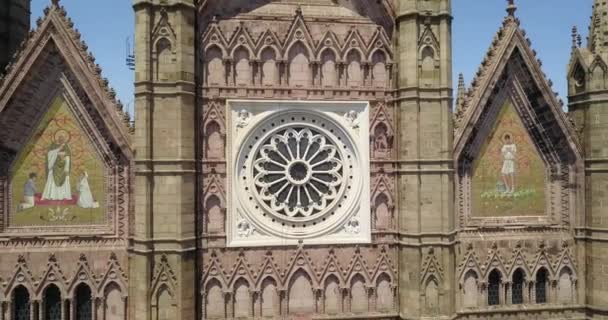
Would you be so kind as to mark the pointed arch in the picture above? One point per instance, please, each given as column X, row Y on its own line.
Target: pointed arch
column 354, row 68
column 470, row 288
column 114, row 302
column 214, row 300
column 242, row 298
column 114, row 275
column 270, row 301
column 329, row 70
column 301, row 294
column 243, row 73
column 565, row 286
column 52, row 302
column 83, row 302
column 164, row 304
column 299, row 65
column 518, row 286
column 379, row 69
column 385, row 300
column 214, row 140
column 358, row 294
column 215, row 214
column 270, row 72
column 383, row 214
column 427, row 65
column 332, row 295
column 21, row 309
column 431, row 295
column 164, row 59
column 494, row 287
column 541, row 285
column 83, row 275
column 215, row 71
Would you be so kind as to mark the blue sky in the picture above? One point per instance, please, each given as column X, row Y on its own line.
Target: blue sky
column 106, row 24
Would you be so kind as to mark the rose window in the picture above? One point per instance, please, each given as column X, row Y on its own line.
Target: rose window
column 298, row 172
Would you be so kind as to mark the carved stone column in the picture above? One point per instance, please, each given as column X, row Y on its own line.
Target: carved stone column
column 506, row 288
column 34, row 310
column 283, row 302
column 229, row 305
column 252, row 296
column 229, row 65
column 372, row 298
column 346, row 299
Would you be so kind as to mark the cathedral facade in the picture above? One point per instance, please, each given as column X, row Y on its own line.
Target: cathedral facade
column 300, row 159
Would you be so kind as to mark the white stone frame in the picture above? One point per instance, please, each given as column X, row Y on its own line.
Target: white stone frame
column 249, row 118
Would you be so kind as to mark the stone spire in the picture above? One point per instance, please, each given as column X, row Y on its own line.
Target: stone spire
column 461, row 92
column 598, row 29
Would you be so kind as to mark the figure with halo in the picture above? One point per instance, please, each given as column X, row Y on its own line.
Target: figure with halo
column 58, row 168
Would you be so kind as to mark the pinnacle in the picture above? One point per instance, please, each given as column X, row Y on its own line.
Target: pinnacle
column 511, row 8
column 460, row 81
column 55, row 3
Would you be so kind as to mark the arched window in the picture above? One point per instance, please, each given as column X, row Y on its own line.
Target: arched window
column 21, row 304
column 84, row 310
column 383, row 214
column 164, row 60
column 354, row 74
column 52, row 303
column 301, row 298
column 329, row 75
column 269, row 67
column 216, row 72
column 517, row 292
column 114, row 303
column 215, row 141
column 214, row 302
column 215, row 215
column 494, row 288
column 565, row 286
column 242, row 69
column 299, row 68
column 332, row 295
column 428, row 66
column 431, row 294
column 384, row 293
column 379, row 69
column 270, row 298
column 166, row 307
column 470, row 289
column 358, row 295
column 541, row 286
column 242, row 299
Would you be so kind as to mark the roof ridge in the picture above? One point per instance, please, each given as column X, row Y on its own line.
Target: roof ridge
column 55, row 9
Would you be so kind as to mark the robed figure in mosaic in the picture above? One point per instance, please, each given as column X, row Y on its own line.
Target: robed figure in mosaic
column 58, row 167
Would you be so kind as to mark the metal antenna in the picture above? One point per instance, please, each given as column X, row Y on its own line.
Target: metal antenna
column 130, row 56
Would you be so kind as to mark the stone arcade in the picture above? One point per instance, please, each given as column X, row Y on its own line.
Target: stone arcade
column 300, row 159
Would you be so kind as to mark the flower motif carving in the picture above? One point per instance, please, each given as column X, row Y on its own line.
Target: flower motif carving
column 298, row 172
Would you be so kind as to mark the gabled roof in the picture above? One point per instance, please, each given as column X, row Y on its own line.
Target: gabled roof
column 52, row 53
column 510, row 49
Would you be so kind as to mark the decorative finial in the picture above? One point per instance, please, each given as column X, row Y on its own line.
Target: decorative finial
column 511, row 8
column 55, row 3
column 299, row 10
column 574, row 36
